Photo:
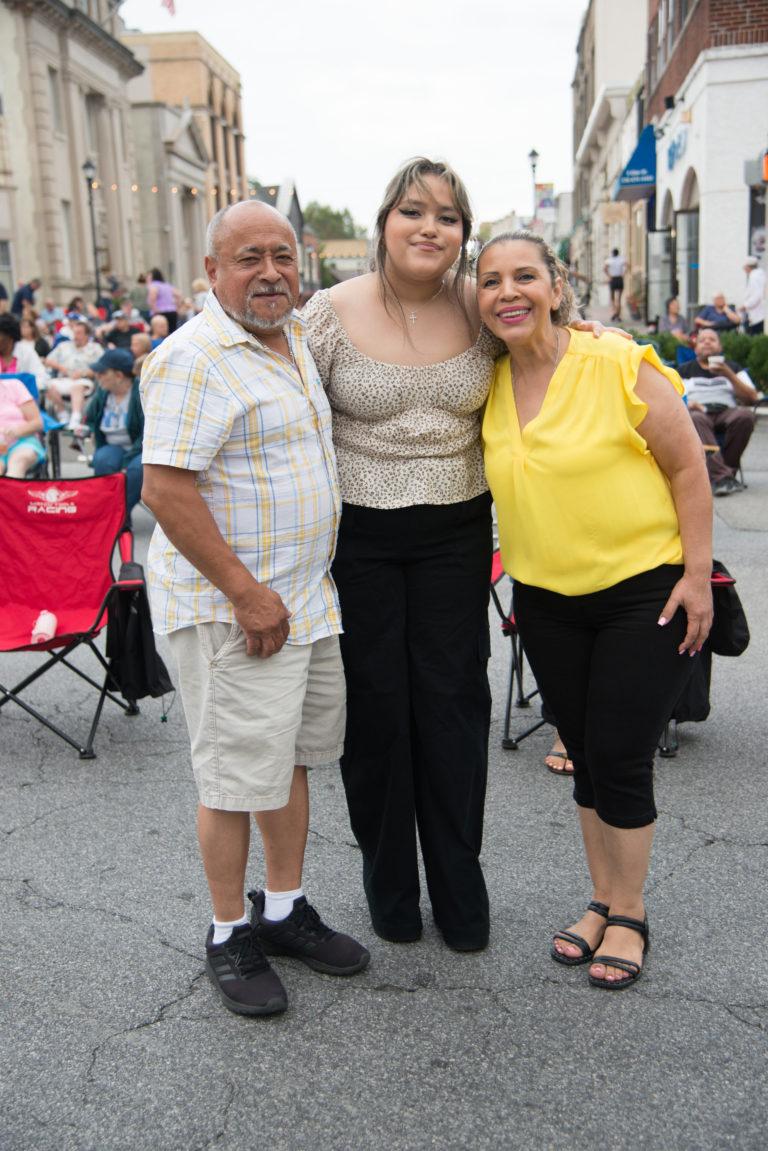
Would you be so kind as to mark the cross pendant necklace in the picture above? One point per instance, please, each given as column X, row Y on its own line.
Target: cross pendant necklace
column 412, row 314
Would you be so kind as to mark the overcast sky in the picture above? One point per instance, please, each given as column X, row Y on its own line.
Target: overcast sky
column 338, row 93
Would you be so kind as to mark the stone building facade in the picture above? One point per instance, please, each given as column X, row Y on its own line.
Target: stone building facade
column 63, row 101
column 171, row 172
column 183, row 70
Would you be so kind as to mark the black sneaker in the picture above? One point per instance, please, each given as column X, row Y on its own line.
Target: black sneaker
column 304, row 936
column 727, row 487
column 239, row 971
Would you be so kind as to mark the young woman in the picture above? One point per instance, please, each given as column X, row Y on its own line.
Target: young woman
column 407, row 370
column 605, row 520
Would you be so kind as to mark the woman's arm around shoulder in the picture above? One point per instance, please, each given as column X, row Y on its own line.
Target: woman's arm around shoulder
column 668, row 431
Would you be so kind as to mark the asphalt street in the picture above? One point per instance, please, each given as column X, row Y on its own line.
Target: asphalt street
column 112, row 1037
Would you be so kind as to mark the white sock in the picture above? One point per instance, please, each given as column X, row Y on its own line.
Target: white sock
column 279, row 904
column 222, row 929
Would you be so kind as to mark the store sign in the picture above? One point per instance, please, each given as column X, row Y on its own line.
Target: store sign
column 676, row 149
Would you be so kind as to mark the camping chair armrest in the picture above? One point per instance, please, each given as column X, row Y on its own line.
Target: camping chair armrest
column 52, row 425
column 125, row 544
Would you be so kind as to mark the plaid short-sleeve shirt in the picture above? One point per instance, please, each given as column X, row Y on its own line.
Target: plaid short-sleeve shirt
column 257, row 431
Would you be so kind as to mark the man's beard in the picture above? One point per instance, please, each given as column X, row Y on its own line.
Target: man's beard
column 253, row 323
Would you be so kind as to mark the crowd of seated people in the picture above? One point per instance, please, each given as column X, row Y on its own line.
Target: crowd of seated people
column 86, row 362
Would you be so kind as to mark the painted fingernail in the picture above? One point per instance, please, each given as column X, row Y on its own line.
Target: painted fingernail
column 662, row 621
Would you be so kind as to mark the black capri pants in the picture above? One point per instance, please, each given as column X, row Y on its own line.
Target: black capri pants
column 611, row 676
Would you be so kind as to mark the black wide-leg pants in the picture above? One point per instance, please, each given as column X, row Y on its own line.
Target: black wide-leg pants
column 414, row 586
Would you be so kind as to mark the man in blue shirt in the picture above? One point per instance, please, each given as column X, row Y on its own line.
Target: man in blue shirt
column 718, row 315
column 24, row 294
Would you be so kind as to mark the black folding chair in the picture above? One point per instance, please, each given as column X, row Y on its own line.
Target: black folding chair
column 515, row 684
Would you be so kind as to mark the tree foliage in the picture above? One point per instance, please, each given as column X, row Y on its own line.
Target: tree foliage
column 329, row 224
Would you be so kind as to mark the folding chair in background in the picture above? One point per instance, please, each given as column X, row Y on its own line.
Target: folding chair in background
column 51, row 427
column 515, row 684
column 57, row 539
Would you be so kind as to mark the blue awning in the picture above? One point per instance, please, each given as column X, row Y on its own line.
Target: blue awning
column 638, row 179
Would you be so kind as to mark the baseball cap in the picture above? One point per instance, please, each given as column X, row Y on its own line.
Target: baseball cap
column 116, row 359
column 117, row 315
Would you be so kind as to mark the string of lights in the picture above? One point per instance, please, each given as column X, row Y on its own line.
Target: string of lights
column 175, row 189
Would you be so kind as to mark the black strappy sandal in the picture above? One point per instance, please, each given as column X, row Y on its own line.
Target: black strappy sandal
column 634, row 970
column 577, row 940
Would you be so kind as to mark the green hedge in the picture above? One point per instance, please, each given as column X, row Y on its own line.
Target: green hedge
column 749, row 351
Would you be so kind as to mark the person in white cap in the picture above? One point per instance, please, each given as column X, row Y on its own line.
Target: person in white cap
column 753, row 306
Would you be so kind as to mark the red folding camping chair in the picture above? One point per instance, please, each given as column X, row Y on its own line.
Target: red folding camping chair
column 57, row 539
column 516, row 663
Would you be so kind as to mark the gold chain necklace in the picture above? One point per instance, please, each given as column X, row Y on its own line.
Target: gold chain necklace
column 413, row 315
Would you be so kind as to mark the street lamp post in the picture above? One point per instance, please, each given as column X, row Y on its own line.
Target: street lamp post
column 89, row 171
column 533, row 159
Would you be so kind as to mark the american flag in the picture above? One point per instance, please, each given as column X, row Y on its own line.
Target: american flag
column 169, row 4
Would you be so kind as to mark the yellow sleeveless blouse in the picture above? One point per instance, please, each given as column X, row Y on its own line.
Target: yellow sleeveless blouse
column 581, row 502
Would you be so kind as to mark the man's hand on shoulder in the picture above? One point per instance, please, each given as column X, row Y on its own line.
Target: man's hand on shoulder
column 264, row 619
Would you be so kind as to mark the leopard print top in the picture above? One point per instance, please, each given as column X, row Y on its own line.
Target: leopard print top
column 404, row 434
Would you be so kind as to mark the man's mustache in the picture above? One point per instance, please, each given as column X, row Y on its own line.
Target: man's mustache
column 277, row 290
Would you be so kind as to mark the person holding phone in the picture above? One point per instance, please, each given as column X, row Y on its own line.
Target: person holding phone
column 719, row 394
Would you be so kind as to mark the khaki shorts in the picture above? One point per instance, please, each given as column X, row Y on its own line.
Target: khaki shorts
column 251, row 720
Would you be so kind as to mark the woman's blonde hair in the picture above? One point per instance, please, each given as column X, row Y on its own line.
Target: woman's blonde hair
column 566, row 310
column 413, row 174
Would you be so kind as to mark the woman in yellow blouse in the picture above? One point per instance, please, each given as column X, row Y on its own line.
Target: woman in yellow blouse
column 605, row 526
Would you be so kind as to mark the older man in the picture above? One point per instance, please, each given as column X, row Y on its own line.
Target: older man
column 241, row 474
column 73, row 361
column 718, row 315
column 158, row 329
column 714, row 388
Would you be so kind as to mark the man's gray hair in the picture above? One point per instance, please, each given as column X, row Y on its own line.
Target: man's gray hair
column 214, row 226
